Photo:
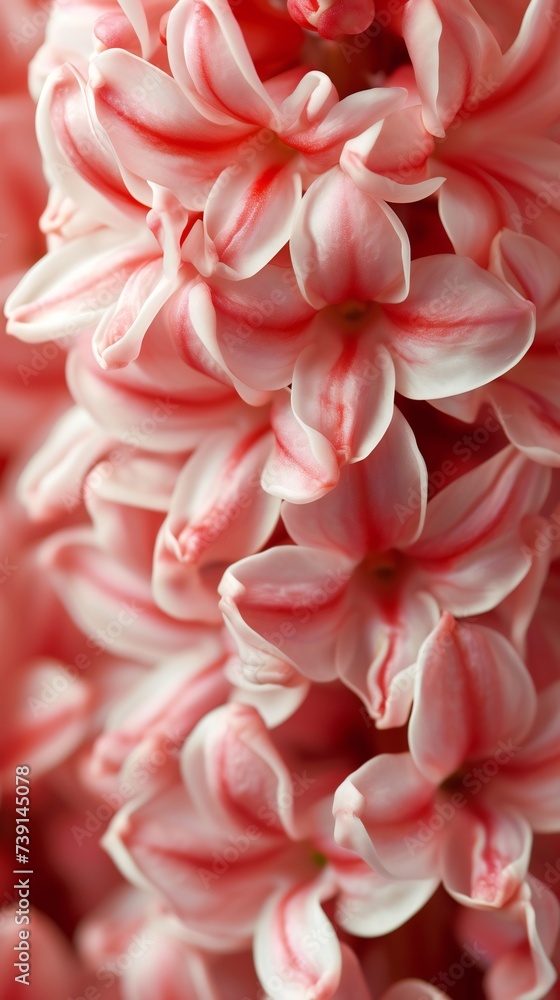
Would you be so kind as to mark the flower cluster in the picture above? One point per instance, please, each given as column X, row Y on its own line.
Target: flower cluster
column 292, row 548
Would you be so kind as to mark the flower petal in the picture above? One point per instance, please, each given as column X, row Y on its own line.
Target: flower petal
column 530, row 70
column 70, row 289
column 473, row 694
column 180, row 150
column 296, row 471
column 382, row 812
column 252, row 330
column 250, row 214
column 109, row 602
column 44, row 733
column 163, row 845
column 371, row 906
column 388, row 160
column 451, row 49
column 218, row 514
column 486, row 859
column 471, row 551
column 523, row 934
column 413, row 989
column 160, row 711
column 223, row 89
column 157, row 402
column 531, row 782
column 459, row 328
column 119, row 336
column 284, row 604
column 335, row 260
column 296, row 947
column 331, row 20
column 77, row 153
column 362, row 514
column 53, row 479
column 377, row 656
column 469, row 213
column 235, row 776
column 317, row 124
column 343, row 391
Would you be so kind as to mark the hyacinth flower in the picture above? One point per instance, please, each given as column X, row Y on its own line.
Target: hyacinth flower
column 280, row 496
column 485, row 786
column 262, row 856
column 374, row 567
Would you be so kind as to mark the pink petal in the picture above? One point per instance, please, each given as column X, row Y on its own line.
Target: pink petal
column 378, row 652
column 284, row 607
column 510, row 178
column 471, row 549
column 219, row 513
column 128, row 533
column 163, row 844
column 286, row 939
column 135, row 13
column 487, row 856
column 109, row 602
column 413, row 989
column 118, row 338
column 274, row 702
column 352, row 980
column 256, row 346
column 89, row 173
column 167, row 220
column 160, row 711
column 182, row 150
column 469, row 213
column 144, row 21
column 333, row 20
column 70, row 289
column 530, row 70
column 524, row 971
column 56, row 965
column 533, row 416
column 371, row 906
column 113, row 30
column 42, row 732
column 301, row 468
column 335, row 260
column 53, row 480
column 388, row 160
column 514, row 615
column 262, row 324
column 168, row 967
column 226, row 89
column 157, row 403
column 524, row 180
column 362, row 514
column 250, row 214
column 235, row 776
column 531, row 781
column 451, row 49
column 459, row 328
column 383, row 813
column 473, row 694
column 532, row 269
column 274, row 42
column 317, row 124
column 343, row 390
column 130, row 474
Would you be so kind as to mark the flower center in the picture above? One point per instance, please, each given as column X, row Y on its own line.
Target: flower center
column 353, row 310
column 382, row 568
column 318, row 858
column 455, row 782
